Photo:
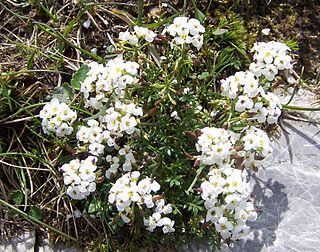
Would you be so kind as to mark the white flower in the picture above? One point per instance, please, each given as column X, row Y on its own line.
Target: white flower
column 195, row 27
column 96, row 149
column 269, row 58
column 232, row 201
column 167, row 225
column 162, row 207
column 234, row 183
column 175, row 115
column 270, row 72
column 145, row 33
column 82, row 134
column 283, row 62
column 179, row 23
column 257, row 140
column 224, row 227
column 215, row 145
column 152, row 222
column 197, row 41
column 74, row 193
column 265, row 31
column 251, row 88
column 255, row 68
column 128, row 37
column 244, row 102
column 102, row 81
column 241, row 215
column 273, row 115
column 272, row 100
column 64, row 130
column 128, row 124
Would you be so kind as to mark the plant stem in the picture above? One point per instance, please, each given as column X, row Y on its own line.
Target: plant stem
column 200, row 169
column 299, row 108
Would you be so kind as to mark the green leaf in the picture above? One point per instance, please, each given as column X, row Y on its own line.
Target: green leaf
column 79, row 77
column 95, row 206
column 154, row 54
column 30, row 61
column 17, row 197
column 199, row 15
column 111, row 49
column 35, row 212
column 63, row 93
column 204, row 75
column 219, row 31
column 102, row 111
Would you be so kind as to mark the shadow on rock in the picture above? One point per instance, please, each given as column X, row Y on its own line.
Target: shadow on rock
column 271, row 202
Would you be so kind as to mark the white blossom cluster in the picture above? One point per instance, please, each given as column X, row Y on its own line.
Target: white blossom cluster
column 125, row 156
column 121, row 117
column 227, row 200
column 117, row 119
column 186, row 31
column 255, row 143
column 240, row 84
column 80, row 177
column 268, row 108
column 215, row 145
column 219, row 146
column 156, row 219
column 103, row 81
column 96, row 136
column 129, row 190
column 270, row 58
column 250, row 97
column 57, row 118
column 138, row 33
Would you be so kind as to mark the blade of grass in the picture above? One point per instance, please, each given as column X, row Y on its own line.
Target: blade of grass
column 58, row 35
column 140, row 12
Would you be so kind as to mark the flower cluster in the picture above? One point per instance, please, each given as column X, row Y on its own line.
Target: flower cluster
column 128, row 190
column 121, row 118
column 227, row 200
column 80, row 177
column 116, row 120
column 268, row 108
column 220, row 146
column 125, row 155
column 138, row 33
column 215, row 145
column 156, row 219
column 103, row 81
column 256, row 143
column 96, row 136
column 57, row 118
column 241, row 84
column 250, row 97
column 186, row 31
column 270, row 58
